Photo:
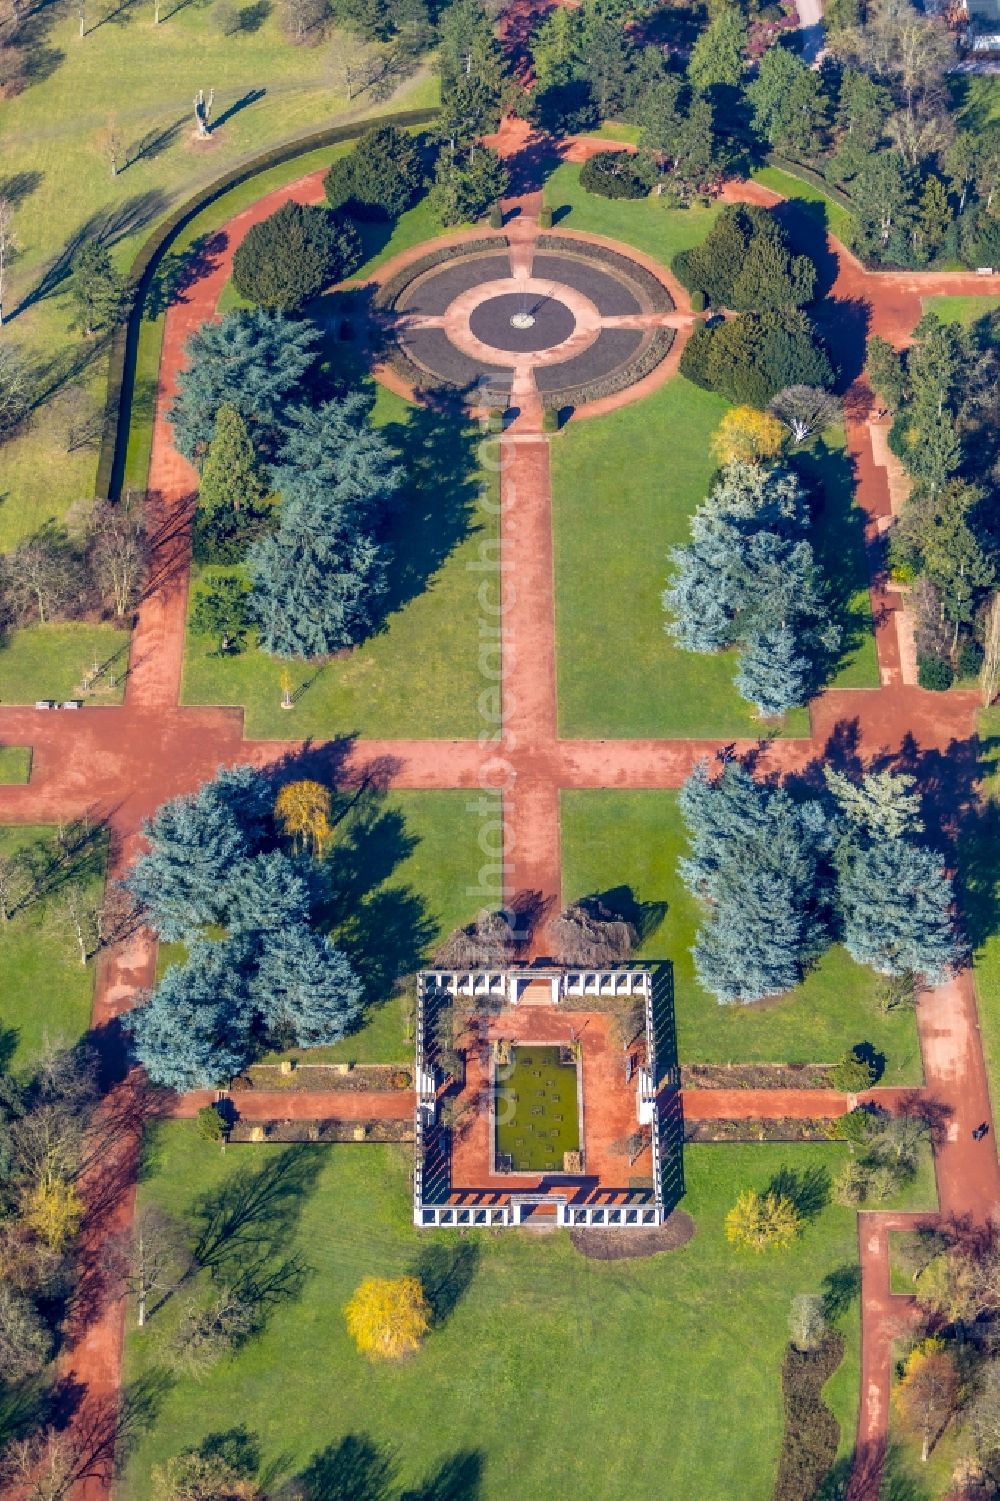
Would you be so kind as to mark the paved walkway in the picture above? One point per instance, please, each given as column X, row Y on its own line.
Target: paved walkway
column 119, row 763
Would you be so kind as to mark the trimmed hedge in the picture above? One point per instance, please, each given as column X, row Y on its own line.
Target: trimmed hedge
column 812, row 1433
column 626, row 375
column 390, row 291
column 125, row 342
column 659, row 298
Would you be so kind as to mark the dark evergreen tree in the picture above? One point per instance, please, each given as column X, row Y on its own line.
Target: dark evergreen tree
column 293, row 255
column 255, row 361
column 752, row 358
column 378, row 179
column 745, row 263
column 790, row 108
column 467, row 185
column 99, row 292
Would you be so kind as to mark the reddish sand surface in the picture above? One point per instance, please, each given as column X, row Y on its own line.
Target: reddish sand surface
column 119, row 763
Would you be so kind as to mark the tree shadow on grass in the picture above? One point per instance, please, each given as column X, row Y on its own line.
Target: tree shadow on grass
column 385, row 930
column 839, row 542
column 242, row 1225
column 459, row 1478
column 355, row 1469
column 446, row 1270
column 808, row 1190
column 841, row 1289
column 876, row 1475
column 434, row 511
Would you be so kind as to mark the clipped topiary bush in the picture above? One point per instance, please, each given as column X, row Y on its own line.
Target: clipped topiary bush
column 293, row 255
column 616, row 174
column 545, row 218
column 934, row 673
column 496, row 217
column 853, row 1073
column 550, row 420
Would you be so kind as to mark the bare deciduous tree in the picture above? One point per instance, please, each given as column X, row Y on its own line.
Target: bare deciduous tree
column 8, row 245
column 302, row 20
column 76, row 417
column 94, row 921
column 150, row 1258
column 805, row 410
column 110, row 145
column 487, row 943
column 117, row 547
column 42, row 1467
column 80, row 6
column 589, row 933
column 41, row 578
column 15, row 885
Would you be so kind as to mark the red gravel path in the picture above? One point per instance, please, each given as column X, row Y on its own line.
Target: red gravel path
column 120, row 763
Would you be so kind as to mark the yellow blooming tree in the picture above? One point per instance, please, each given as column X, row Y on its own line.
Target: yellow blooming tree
column 303, row 810
column 53, row 1209
column 759, row 1222
column 747, row 436
column 388, row 1316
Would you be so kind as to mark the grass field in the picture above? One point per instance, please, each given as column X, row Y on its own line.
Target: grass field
column 619, row 672
column 406, row 870
column 46, row 994
column 646, row 223
column 960, row 309
column 837, row 218
column 420, row 676
column 51, row 661
column 634, row 839
column 543, row 1364
column 15, row 764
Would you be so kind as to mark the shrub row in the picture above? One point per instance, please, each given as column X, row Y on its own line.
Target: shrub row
column 774, row 1128
column 125, row 343
column 656, row 294
column 626, row 375
column 390, row 291
column 812, row 1433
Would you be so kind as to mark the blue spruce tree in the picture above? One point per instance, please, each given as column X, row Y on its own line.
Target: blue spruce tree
column 192, row 1033
column 253, row 360
column 773, row 675
column 305, row 990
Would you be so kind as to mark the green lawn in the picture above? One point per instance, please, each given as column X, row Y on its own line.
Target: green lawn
column 421, row 676
column 619, row 673
column 964, row 310
column 646, row 223
column 837, row 218
column 50, row 661
column 15, row 764
column 634, row 839
column 585, row 1380
column 403, row 866
column 46, row 993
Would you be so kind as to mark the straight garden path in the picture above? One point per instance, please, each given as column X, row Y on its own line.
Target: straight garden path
column 119, row 763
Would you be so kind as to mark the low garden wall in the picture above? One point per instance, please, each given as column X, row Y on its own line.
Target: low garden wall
column 306, row 1078
column 322, row 1132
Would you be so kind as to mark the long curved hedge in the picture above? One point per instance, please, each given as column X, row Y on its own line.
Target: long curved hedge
column 125, row 344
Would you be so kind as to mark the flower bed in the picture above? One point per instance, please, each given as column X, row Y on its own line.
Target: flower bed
column 628, row 374
column 780, row 1128
column 757, row 1075
column 306, row 1077
column 322, row 1132
column 654, row 292
column 390, row 291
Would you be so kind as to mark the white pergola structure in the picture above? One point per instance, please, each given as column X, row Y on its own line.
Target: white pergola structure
column 435, row 1203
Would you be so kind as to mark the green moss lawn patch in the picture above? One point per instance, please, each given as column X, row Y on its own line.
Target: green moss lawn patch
column 964, row 310
column 15, row 764
column 519, row 1367
column 538, row 1116
column 46, row 994
column 635, row 839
